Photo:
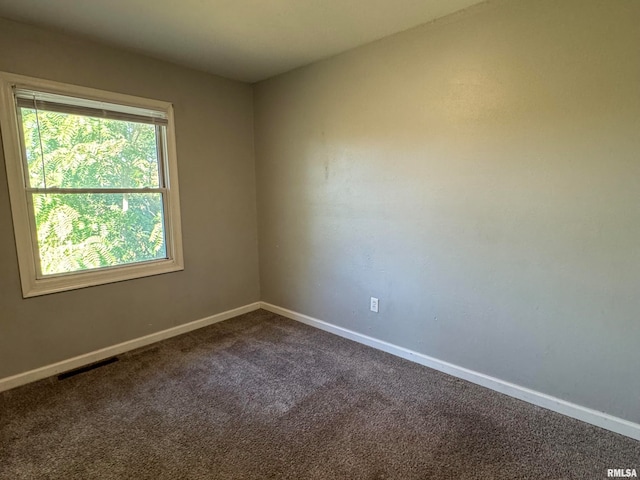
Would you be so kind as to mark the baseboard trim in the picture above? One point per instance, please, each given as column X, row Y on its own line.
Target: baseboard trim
column 588, row 415
column 97, row 355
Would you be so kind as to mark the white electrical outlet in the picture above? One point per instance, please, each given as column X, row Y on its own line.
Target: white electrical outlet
column 374, row 304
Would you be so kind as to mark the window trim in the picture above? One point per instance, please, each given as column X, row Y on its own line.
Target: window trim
column 25, row 236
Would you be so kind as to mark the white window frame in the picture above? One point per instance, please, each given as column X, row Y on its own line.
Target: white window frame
column 23, row 223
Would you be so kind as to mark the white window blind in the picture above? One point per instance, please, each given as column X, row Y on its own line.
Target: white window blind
column 39, row 100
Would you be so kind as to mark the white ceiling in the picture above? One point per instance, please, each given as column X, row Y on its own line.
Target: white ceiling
column 246, row 40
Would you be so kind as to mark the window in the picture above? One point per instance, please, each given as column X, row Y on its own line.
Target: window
column 93, row 184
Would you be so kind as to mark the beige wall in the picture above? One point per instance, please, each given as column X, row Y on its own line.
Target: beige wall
column 217, row 188
column 481, row 176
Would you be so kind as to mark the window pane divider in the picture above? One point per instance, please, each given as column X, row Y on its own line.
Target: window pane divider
column 54, row 190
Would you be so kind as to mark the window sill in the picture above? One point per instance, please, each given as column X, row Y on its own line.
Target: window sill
column 33, row 287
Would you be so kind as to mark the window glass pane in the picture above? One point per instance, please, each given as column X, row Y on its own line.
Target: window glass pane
column 82, row 231
column 75, row 151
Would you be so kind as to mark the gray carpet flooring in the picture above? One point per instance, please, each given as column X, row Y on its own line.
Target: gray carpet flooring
column 261, row 396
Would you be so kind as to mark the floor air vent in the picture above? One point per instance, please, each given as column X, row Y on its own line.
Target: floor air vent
column 86, row 368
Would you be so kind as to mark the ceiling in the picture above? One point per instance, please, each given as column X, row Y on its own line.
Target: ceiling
column 247, row 40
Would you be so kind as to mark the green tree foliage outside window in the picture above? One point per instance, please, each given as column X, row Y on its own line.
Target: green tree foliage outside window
column 91, row 229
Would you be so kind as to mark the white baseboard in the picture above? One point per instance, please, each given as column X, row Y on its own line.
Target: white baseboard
column 95, row 356
column 588, row 415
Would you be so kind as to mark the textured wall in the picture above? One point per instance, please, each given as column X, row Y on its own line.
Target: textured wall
column 214, row 132
column 481, row 176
